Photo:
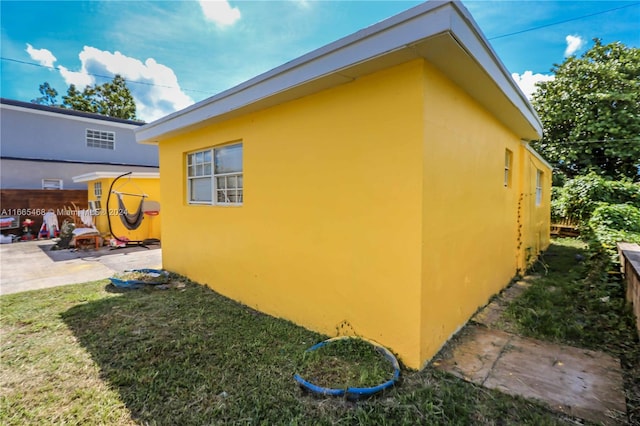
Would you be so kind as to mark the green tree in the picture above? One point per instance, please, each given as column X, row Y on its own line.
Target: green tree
column 591, row 113
column 49, row 95
column 112, row 98
column 77, row 100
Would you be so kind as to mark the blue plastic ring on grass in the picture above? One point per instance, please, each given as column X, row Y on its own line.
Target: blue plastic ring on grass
column 134, row 284
column 357, row 392
column 151, row 271
column 126, row 283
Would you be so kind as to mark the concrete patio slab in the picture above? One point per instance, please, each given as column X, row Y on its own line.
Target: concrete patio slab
column 577, row 382
column 30, row 265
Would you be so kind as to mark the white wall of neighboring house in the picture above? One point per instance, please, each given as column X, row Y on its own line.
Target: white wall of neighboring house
column 40, row 142
column 29, row 174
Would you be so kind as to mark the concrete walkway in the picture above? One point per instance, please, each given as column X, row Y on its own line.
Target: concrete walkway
column 32, row 265
column 574, row 381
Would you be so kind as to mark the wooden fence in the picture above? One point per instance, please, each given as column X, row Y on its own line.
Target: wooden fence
column 630, row 265
column 34, row 203
column 564, row 228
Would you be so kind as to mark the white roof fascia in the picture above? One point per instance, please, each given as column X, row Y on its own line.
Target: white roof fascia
column 70, row 117
column 395, row 35
column 478, row 46
column 536, row 154
column 106, row 175
column 364, row 44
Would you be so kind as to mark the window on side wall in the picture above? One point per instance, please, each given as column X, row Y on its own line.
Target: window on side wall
column 539, row 177
column 214, row 176
column 100, row 139
column 508, row 166
column 97, row 189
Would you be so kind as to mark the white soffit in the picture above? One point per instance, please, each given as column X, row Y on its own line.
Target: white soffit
column 105, row 175
column 443, row 33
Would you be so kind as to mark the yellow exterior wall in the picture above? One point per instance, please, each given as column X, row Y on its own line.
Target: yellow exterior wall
column 150, row 226
column 329, row 232
column 535, row 218
column 376, row 207
column 470, row 232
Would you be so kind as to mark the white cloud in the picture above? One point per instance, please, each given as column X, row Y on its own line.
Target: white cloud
column 527, row 81
column 574, row 43
column 43, row 56
column 303, row 4
column 154, row 86
column 220, row 12
column 79, row 78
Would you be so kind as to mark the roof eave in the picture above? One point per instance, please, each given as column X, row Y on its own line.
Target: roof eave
column 12, row 104
column 435, row 31
column 87, row 177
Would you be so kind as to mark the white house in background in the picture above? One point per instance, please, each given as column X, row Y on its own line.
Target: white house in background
column 44, row 147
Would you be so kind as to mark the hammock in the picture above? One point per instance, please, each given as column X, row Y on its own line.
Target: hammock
column 131, row 221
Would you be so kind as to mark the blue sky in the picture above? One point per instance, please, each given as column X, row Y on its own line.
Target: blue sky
column 174, row 53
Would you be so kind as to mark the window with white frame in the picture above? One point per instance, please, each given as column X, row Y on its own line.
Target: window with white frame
column 214, row 176
column 100, row 139
column 539, row 178
column 97, row 189
column 508, row 165
column 51, row 183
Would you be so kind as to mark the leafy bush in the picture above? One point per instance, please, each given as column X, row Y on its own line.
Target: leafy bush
column 579, row 197
column 607, row 211
column 613, row 223
column 559, row 201
column 608, row 238
column 622, row 217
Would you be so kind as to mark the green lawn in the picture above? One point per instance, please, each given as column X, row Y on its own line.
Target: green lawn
column 188, row 356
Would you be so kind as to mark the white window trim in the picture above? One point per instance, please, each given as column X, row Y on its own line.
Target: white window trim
column 97, row 190
column 52, row 183
column 508, row 167
column 539, row 178
column 214, row 180
column 95, row 206
column 97, row 141
column 216, row 189
column 193, row 178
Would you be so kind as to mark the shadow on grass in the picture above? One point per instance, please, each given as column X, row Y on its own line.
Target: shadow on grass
column 563, row 256
column 63, row 255
column 190, row 356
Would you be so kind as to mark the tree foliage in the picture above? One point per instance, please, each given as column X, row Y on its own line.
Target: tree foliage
column 49, row 95
column 607, row 211
column 623, row 217
column 579, row 197
column 591, row 113
column 112, row 98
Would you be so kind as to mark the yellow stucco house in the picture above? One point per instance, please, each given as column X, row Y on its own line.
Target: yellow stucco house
column 381, row 185
column 132, row 187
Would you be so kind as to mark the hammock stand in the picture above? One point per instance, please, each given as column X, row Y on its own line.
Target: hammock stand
column 127, row 217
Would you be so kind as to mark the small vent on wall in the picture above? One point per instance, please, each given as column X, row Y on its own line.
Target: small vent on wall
column 51, row 183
